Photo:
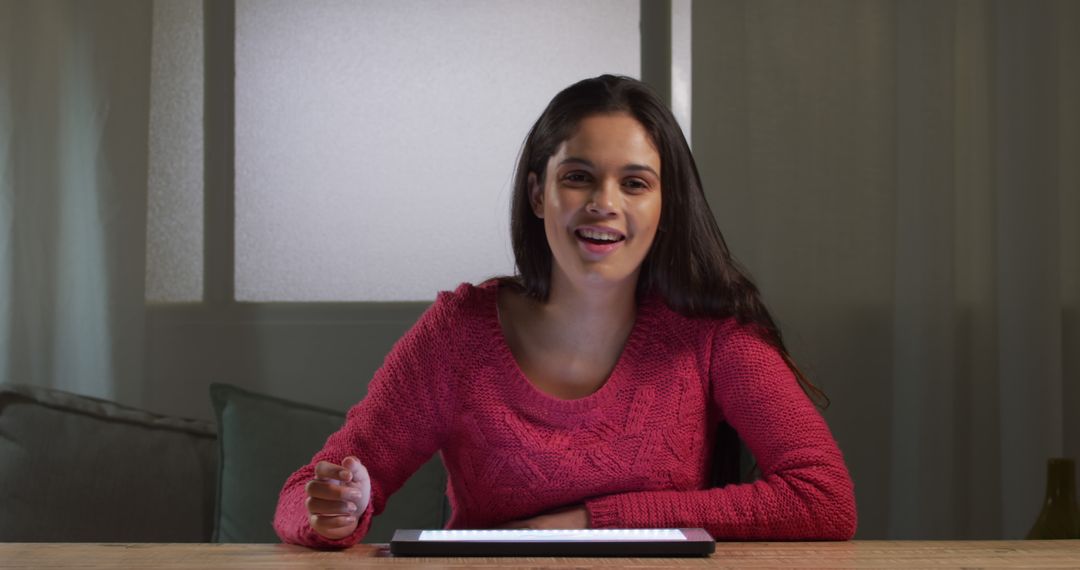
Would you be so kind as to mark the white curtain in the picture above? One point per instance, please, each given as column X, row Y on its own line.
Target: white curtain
column 74, row 96
column 903, row 178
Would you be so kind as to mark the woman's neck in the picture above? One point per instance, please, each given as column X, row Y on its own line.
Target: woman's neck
column 591, row 312
column 568, row 346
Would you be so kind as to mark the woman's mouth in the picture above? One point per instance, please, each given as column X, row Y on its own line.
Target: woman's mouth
column 598, row 241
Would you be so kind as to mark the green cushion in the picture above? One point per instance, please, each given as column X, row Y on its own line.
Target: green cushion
column 264, row 439
column 80, row 469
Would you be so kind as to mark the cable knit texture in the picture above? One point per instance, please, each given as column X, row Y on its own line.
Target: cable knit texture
column 636, row 452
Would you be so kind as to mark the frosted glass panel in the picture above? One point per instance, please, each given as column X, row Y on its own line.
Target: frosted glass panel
column 375, row 141
column 174, row 245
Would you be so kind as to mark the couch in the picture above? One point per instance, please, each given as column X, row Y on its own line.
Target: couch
column 81, row 469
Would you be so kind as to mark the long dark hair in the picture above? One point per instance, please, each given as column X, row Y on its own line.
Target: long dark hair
column 689, row 264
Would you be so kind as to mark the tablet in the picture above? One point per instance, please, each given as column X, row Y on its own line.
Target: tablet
column 588, row 542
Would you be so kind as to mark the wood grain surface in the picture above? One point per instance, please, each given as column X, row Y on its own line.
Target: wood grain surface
column 857, row 554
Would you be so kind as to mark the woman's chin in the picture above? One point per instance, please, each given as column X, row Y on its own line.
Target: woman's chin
column 592, row 275
column 606, row 278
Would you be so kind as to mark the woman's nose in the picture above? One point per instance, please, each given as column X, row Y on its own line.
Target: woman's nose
column 602, row 200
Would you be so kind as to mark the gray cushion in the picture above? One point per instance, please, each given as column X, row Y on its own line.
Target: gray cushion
column 74, row 469
column 265, row 439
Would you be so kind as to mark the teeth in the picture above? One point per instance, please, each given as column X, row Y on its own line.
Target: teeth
column 592, row 234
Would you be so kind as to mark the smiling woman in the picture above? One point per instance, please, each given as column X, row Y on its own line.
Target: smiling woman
column 586, row 390
column 600, row 202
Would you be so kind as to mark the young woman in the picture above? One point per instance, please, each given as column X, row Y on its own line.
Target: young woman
column 586, row 391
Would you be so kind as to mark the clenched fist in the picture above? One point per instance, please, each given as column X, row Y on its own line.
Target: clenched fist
column 337, row 497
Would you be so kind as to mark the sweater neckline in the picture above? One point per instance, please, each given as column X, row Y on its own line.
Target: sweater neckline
column 528, row 393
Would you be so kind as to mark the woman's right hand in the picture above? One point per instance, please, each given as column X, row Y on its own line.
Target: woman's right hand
column 337, row 497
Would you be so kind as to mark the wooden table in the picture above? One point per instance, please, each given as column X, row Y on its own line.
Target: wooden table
column 858, row 554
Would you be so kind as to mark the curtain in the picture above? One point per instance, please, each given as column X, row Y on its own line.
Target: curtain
column 902, row 180
column 74, row 93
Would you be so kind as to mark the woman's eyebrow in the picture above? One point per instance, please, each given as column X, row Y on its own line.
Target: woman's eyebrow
column 576, row 160
column 642, row 167
column 588, row 163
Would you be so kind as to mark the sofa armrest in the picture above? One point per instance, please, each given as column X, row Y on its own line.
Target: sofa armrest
column 80, row 469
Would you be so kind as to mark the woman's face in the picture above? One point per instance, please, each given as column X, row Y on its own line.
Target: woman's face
column 600, row 201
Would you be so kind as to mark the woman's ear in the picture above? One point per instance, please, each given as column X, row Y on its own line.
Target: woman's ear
column 536, row 196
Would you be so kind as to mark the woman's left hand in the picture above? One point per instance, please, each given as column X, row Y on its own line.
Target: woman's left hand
column 569, row 518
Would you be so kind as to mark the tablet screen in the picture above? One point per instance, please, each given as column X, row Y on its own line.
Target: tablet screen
column 643, row 542
column 528, row 535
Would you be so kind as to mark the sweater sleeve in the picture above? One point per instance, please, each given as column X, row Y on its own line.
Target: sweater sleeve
column 805, row 491
column 396, row 428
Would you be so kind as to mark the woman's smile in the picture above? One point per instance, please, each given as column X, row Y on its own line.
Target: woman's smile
column 599, row 240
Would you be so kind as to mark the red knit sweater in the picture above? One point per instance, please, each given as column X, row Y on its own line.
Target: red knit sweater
column 636, row 452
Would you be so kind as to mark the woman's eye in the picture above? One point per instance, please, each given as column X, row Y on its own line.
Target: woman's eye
column 576, row 177
column 637, row 184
